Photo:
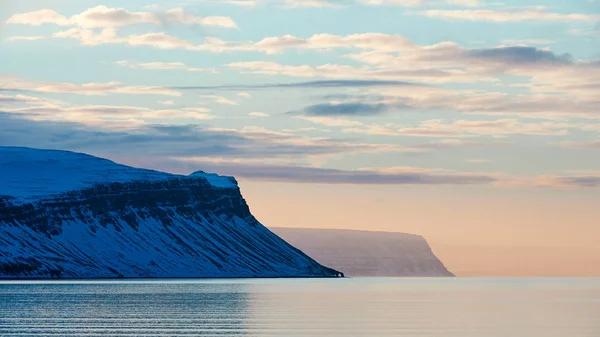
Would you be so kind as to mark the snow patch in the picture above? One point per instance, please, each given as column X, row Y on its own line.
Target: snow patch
column 217, row 180
column 28, row 174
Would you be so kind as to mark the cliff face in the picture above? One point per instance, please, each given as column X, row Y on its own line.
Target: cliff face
column 361, row 253
column 77, row 216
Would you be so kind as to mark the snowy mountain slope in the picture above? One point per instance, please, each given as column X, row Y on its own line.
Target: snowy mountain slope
column 29, row 173
column 362, row 253
column 71, row 215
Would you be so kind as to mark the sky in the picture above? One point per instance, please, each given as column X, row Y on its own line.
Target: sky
column 474, row 123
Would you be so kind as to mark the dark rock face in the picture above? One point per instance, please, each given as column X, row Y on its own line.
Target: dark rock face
column 362, row 253
column 112, row 204
column 178, row 227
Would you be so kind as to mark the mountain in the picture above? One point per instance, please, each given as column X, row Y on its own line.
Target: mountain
column 361, row 253
column 72, row 215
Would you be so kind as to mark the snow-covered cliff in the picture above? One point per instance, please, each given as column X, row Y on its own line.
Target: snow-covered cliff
column 71, row 215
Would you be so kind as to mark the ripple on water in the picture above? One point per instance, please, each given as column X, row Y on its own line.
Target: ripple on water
column 348, row 307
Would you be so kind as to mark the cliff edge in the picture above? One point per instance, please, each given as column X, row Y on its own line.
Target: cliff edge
column 363, row 253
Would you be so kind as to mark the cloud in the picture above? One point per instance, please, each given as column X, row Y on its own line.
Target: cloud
column 592, row 145
column 518, row 56
column 107, row 116
column 106, row 17
column 343, row 3
column 134, row 122
column 269, row 45
column 583, row 181
column 413, row 61
column 143, row 141
column 328, row 121
column 309, row 3
column 345, row 109
column 89, row 89
column 438, row 129
column 384, row 57
column 25, row 38
column 163, row 66
column 344, row 72
column 478, row 161
column 289, row 4
column 417, row 3
column 579, row 80
column 506, row 16
column 220, row 99
column 299, row 174
column 530, row 105
column 272, row 68
column 79, row 131
column 526, row 105
column 558, row 84
column 528, row 42
column 376, row 41
column 89, row 37
column 460, row 144
column 258, row 114
column 37, row 18
column 310, row 84
column 442, row 62
column 448, row 60
column 19, row 99
column 244, row 3
column 394, row 176
column 258, row 154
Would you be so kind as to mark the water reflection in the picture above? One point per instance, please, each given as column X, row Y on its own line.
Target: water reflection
column 349, row 308
column 124, row 309
column 428, row 307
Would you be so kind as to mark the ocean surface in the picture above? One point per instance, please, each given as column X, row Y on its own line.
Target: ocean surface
column 298, row 307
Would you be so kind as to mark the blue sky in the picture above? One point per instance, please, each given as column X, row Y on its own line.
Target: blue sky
column 471, row 122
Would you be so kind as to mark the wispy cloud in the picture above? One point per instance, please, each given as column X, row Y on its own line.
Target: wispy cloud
column 592, row 145
column 528, row 42
column 310, row 84
column 25, row 38
column 258, row 114
column 303, row 174
column 220, row 99
column 346, row 109
column 89, row 89
column 252, row 153
column 288, row 4
column 107, row 116
column 106, row 17
column 396, row 176
column 439, row 129
column 163, row 66
column 343, row 3
column 468, row 128
column 478, row 161
column 419, row 3
column 145, row 133
column 515, row 15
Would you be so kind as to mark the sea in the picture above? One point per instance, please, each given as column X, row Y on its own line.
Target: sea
column 444, row 307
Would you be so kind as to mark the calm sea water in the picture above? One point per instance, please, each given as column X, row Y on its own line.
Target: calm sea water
column 348, row 307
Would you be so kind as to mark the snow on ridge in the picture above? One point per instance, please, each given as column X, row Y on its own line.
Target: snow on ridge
column 217, row 180
column 27, row 173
